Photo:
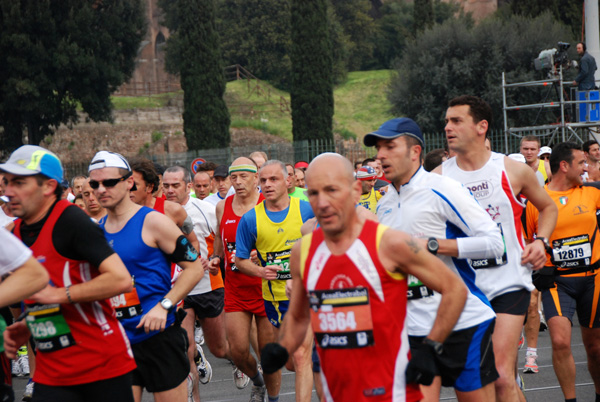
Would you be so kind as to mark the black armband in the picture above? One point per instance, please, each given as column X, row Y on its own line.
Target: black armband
column 184, row 251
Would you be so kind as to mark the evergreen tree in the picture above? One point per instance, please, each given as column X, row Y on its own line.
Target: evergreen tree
column 193, row 53
column 423, row 14
column 58, row 55
column 454, row 59
column 312, row 83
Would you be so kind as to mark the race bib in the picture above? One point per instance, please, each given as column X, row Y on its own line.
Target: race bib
column 572, row 252
column 127, row 305
column 491, row 262
column 341, row 318
column 49, row 327
column 416, row 289
column 282, row 260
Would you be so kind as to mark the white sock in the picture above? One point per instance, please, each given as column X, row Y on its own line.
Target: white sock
column 531, row 351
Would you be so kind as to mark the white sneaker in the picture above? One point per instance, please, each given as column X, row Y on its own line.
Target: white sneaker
column 16, row 368
column 258, row 393
column 204, row 367
column 240, row 379
column 199, row 335
column 531, row 365
column 24, row 363
column 28, row 394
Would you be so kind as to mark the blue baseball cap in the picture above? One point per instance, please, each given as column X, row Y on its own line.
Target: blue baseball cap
column 30, row 160
column 393, row 129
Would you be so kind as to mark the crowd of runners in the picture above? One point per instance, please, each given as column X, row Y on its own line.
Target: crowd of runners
column 382, row 281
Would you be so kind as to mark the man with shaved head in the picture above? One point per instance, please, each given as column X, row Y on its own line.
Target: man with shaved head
column 243, row 293
column 350, row 283
column 202, row 184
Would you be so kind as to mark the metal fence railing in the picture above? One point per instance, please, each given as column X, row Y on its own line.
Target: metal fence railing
column 306, row 150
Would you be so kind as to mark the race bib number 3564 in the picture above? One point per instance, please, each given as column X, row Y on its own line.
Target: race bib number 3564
column 341, row 318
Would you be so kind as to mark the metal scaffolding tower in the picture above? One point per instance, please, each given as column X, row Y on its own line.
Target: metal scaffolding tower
column 558, row 132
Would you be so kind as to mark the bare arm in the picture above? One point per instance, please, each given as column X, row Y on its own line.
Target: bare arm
column 23, row 282
column 401, row 253
column 178, row 214
column 218, row 243
column 246, row 266
column 534, row 253
column 297, row 318
column 113, row 280
column 159, row 231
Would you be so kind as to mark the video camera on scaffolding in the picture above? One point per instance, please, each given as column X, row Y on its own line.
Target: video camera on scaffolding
column 553, row 59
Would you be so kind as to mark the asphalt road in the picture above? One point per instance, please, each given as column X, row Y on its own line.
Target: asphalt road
column 541, row 387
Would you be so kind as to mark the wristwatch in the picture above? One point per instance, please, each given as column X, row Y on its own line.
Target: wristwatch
column 167, row 304
column 546, row 243
column 433, row 245
column 437, row 347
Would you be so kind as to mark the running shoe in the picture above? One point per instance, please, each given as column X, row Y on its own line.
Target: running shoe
column 521, row 382
column 543, row 324
column 199, row 334
column 16, row 368
column 28, row 394
column 531, row 365
column 204, row 367
column 521, row 341
column 258, row 393
column 24, row 364
column 240, row 379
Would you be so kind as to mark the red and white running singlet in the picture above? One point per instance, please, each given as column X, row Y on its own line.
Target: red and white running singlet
column 358, row 310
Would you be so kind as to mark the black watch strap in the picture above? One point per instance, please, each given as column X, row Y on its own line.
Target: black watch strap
column 437, row 347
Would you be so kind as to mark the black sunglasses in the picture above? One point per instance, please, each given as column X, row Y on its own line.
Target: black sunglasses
column 108, row 183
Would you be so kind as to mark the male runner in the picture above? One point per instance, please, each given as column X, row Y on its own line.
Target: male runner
column 205, row 301
column 591, row 150
column 222, row 184
column 569, row 281
column 202, row 185
column 453, row 226
column 82, row 352
column 496, row 181
column 146, row 241
column 350, row 284
column 146, row 183
column 92, row 206
column 367, row 176
column 243, row 293
column 293, row 190
column 530, row 148
column 272, row 227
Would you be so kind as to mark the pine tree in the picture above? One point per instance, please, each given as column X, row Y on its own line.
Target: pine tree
column 193, row 53
column 312, row 82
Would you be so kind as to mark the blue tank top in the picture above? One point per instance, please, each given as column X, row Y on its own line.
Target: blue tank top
column 147, row 265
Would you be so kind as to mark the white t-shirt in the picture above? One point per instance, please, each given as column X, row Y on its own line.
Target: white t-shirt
column 203, row 216
column 13, row 253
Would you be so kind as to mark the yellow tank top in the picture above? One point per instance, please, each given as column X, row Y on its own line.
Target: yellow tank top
column 542, row 170
column 370, row 199
column 274, row 243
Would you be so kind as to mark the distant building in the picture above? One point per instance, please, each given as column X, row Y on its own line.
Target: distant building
column 150, row 76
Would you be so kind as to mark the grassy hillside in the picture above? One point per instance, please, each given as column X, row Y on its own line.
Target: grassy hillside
column 360, row 105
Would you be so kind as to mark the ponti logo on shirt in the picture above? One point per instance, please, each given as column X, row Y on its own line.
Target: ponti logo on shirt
column 480, row 189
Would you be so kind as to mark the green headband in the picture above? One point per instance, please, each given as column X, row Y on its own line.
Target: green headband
column 243, row 168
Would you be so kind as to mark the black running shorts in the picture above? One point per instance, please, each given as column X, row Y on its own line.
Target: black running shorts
column 467, row 363
column 162, row 362
column 574, row 293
